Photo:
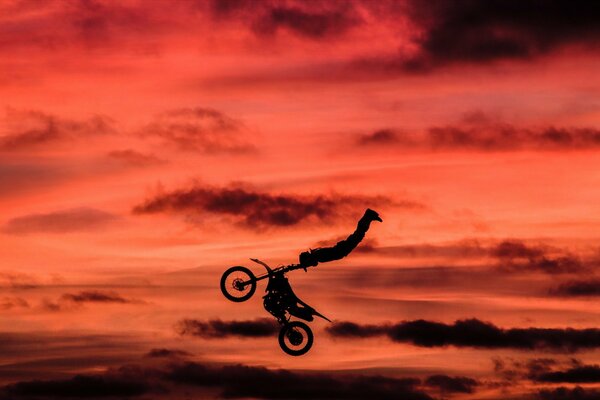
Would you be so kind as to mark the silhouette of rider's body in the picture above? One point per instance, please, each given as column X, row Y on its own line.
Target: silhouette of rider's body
column 342, row 248
column 281, row 298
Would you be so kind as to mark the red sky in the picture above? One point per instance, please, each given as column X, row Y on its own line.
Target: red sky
column 144, row 145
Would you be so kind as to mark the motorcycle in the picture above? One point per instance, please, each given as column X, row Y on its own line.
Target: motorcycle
column 295, row 337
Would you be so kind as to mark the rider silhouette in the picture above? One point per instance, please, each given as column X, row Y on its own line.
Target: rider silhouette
column 281, row 298
column 342, row 248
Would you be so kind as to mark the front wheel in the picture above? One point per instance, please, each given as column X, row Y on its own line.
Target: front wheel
column 295, row 338
column 238, row 284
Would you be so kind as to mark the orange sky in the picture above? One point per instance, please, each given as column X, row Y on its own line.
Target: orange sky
column 471, row 127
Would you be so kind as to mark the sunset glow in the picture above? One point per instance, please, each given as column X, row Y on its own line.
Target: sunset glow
column 147, row 146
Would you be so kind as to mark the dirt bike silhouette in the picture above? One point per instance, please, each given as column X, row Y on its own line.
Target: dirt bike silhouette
column 295, row 337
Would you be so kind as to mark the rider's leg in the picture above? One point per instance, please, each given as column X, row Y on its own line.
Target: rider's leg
column 343, row 247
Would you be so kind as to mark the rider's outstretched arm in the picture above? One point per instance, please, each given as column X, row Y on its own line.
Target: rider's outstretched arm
column 342, row 248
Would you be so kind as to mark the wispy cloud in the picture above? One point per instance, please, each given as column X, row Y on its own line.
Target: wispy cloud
column 134, row 158
column 10, row 302
column 166, row 353
column 73, row 300
column 25, row 130
column 483, row 135
column 18, row 280
column 199, row 129
column 71, row 220
column 261, row 327
column 316, row 21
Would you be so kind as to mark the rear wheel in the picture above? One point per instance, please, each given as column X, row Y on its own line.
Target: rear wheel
column 295, row 338
column 238, row 284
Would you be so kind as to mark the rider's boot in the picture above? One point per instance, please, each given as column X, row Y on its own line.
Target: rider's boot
column 373, row 215
column 367, row 218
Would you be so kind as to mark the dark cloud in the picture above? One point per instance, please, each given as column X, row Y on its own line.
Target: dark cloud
column 485, row 135
column 473, row 333
column 8, row 303
column 80, row 386
column 240, row 381
column 200, row 129
column 24, row 130
column 315, row 21
column 563, row 393
column 252, row 208
column 452, row 384
column 260, row 327
column 472, row 31
column 72, row 220
column 180, row 380
column 166, row 353
column 576, row 374
column 134, row 158
column 578, row 288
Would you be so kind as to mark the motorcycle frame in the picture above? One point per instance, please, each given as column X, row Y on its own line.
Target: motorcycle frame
column 270, row 271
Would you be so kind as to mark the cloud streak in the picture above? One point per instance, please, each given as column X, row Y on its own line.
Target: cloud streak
column 515, row 255
column 166, row 353
column 11, row 302
column 134, row 158
column 473, row 333
column 507, row 255
column 452, row 384
column 216, row 328
column 484, row 136
column 26, row 130
column 199, row 129
column 578, row 288
column 65, row 221
column 72, row 300
column 94, row 296
column 576, row 374
column 565, row 393
column 252, row 208
column 266, row 19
